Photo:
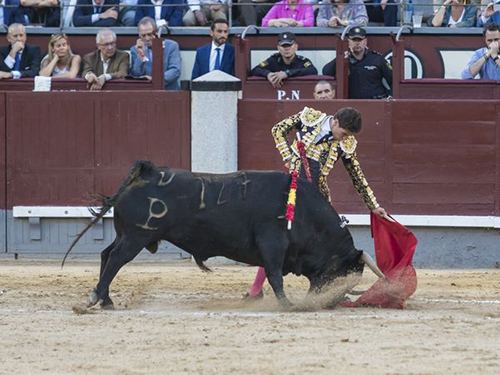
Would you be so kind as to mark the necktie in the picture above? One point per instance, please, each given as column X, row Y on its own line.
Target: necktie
column 17, row 64
column 217, row 59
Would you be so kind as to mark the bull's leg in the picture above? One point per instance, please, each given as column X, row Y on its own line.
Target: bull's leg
column 124, row 251
column 275, row 278
column 106, row 302
column 273, row 249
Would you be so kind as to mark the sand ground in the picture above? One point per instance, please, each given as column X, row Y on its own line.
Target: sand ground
column 171, row 318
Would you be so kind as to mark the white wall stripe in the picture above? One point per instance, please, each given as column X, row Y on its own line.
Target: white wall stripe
column 354, row 219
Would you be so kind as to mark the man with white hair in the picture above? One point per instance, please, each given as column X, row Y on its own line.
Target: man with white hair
column 18, row 60
column 142, row 55
column 106, row 62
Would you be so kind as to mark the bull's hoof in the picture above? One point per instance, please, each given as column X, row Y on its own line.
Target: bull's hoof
column 93, row 299
column 286, row 304
column 107, row 303
column 107, row 306
column 249, row 297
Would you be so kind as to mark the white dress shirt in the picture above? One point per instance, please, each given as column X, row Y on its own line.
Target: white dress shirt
column 157, row 5
column 213, row 55
column 325, row 129
column 95, row 17
column 9, row 61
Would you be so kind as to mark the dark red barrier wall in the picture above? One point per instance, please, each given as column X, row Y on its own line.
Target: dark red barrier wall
column 420, row 157
column 3, row 185
column 62, row 147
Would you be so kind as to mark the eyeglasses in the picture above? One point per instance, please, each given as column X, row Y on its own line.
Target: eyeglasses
column 108, row 45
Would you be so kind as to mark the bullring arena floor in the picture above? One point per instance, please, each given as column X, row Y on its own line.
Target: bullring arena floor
column 171, row 318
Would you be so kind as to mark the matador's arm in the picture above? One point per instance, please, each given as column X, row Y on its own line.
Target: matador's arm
column 280, row 131
column 352, row 166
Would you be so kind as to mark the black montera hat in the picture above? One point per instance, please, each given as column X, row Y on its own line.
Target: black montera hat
column 357, row 33
column 286, row 38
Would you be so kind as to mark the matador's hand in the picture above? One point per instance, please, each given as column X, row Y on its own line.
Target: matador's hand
column 380, row 211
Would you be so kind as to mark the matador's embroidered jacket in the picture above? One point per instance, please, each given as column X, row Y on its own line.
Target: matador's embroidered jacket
column 323, row 151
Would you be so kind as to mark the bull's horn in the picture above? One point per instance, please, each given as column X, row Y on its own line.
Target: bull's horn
column 356, row 292
column 370, row 262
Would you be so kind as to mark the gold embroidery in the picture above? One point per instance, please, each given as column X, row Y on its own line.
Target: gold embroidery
column 311, row 117
column 348, row 145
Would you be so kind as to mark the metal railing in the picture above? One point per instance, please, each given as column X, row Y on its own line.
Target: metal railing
column 405, row 8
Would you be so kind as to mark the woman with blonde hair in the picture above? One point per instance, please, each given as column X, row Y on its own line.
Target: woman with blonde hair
column 60, row 62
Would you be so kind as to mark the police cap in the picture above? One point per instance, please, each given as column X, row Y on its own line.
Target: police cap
column 286, row 38
column 357, row 33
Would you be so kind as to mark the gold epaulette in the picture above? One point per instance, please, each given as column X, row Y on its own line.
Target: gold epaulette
column 348, row 145
column 311, row 117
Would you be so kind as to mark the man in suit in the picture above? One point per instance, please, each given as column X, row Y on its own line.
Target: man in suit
column 18, row 60
column 161, row 12
column 217, row 55
column 10, row 12
column 142, row 56
column 46, row 12
column 106, row 62
column 99, row 13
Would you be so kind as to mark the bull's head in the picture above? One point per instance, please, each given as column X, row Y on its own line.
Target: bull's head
column 337, row 281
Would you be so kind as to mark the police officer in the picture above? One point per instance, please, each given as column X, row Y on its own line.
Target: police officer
column 367, row 69
column 284, row 64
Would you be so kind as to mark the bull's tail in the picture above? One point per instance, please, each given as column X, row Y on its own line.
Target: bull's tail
column 108, row 202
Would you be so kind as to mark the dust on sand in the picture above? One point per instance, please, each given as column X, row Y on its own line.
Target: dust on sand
column 174, row 319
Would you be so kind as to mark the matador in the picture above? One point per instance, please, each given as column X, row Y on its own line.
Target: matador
column 326, row 139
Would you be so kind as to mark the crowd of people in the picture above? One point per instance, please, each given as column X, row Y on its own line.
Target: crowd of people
column 266, row 13
column 370, row 74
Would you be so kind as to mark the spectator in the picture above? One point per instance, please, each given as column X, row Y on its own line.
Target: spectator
column 489, row 15
column 103, row 13
column 18, row 59
column 142, row 58
column 382, row 11
column 253, row 11
column 367, row 69
column 290, row 13
column 10, row 12
column 324, row 91
column 162, row 13
column 284, row 64
column 126, row 16
column 485, row 61
column 342, row 13
column 42, row 12
column 60, row 62
column 459, row 14
column 106, row 62
column 217, row 55
column 202, row 12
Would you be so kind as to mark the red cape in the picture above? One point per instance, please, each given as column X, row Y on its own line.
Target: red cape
column 394, row 248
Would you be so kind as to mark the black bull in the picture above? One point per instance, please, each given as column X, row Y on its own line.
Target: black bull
column 240, row 216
